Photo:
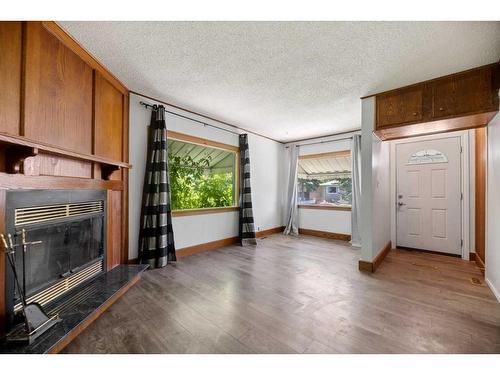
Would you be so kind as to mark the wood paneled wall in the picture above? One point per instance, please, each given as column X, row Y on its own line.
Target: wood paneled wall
column 10, row 76
column 57, row 92
column 54, row 92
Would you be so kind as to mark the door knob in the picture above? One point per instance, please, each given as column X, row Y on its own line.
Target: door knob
column 401, row 204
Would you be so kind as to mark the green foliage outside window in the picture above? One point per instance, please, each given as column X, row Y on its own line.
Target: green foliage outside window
column 192, row 185
column 309, row 185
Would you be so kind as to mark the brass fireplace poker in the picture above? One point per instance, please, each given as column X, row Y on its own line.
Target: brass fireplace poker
column 36, row 320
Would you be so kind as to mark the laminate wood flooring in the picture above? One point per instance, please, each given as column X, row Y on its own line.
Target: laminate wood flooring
column 301, row 295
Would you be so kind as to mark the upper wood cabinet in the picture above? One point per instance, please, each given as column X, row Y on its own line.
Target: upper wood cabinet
column 463, row 93
column 58, row 92
column 458, row 101
column 400, row 107
column 10, row 77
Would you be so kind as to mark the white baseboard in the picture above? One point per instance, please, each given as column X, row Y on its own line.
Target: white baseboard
column 495, row 292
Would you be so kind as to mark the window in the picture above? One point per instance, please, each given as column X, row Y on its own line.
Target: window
column 203, row 174
column 427, row 157
column 324, row 180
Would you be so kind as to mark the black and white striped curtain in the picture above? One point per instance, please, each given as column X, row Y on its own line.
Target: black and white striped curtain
column 247, row 230
column 156, row 238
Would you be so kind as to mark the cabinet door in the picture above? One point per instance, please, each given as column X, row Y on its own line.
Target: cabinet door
column 400, row 107
column 463, row 93
column 58, row 92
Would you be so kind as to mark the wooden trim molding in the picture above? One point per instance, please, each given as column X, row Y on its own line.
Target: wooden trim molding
column 434, row 127
column 334, row 154
column 323, row 234
column 324, row 207
column 214, row 245
column 479, row 263
column 371, row 267
column 268, row 232
column 92, row 317
column 480, row 195
column 20, row 181
column 31, row 148
column 201, row 141
column 203, row 211
column 205, row 116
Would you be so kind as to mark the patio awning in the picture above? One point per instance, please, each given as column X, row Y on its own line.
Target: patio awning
column 324, row 166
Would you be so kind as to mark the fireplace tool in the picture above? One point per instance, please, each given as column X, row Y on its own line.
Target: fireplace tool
column 36, row 320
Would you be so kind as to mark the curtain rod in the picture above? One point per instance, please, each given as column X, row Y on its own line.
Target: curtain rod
column 147, row 105
column 328, row 141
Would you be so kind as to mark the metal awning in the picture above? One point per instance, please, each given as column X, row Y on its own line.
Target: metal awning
column 325, row 167
column 220, row 159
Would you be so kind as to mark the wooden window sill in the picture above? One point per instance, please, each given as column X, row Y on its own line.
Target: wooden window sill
column 203, row 211
column 325, row 207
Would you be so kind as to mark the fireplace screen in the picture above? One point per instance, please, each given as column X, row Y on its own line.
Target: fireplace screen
column 71, row 225
column 66, row 248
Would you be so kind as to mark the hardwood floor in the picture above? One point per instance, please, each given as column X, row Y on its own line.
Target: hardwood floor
column 301, row 295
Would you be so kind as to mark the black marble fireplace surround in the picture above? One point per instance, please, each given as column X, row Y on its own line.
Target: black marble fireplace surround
column 72, row 241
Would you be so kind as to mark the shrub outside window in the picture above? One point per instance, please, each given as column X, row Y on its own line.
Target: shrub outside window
column 201, row 175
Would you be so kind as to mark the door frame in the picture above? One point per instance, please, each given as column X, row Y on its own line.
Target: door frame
column 465, row 183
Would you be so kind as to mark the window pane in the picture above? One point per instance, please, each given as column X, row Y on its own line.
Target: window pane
column 325, row 180
column 200, row 176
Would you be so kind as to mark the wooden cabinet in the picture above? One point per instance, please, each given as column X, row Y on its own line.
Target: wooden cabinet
column 10, row 77
column 400, row 107
column 459, row 101
column 58, row 92
column 463, row 93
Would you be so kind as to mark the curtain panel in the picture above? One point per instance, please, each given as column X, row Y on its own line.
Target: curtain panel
column 291, row 207
column 356, row 191
column 156, row 237
column 246, row 224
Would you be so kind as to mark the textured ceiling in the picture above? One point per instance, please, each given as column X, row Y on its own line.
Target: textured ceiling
column 286, row 80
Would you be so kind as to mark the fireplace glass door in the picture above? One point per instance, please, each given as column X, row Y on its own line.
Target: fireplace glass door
column 66, row 248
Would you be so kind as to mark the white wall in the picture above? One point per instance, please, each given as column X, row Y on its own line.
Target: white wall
column 266, row 164
column 493, row 207
column 375, row 186
column 325, row 220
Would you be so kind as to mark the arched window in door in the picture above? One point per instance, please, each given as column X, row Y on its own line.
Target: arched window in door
column 427, row 157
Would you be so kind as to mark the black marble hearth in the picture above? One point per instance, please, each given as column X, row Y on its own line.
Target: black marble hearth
column 77, row 306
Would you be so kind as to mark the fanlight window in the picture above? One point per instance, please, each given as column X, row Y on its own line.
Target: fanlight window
column 427, row 157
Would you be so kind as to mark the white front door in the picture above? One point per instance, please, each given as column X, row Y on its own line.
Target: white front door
column 428, row 197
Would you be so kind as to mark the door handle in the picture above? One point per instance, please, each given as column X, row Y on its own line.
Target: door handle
column 401, row 204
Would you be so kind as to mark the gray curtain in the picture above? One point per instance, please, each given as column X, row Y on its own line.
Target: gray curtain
column 291, row 208
column 156, row 237
column 246, row 225
column 356, row 191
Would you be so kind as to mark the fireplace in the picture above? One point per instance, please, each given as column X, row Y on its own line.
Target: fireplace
column 71, row 225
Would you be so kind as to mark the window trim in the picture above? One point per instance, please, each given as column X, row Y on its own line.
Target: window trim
column 214, row 144
column 325, row 207
column 337, row 154
column 341, row 153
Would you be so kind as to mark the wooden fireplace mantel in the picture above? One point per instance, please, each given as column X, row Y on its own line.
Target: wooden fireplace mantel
column 21, row 147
